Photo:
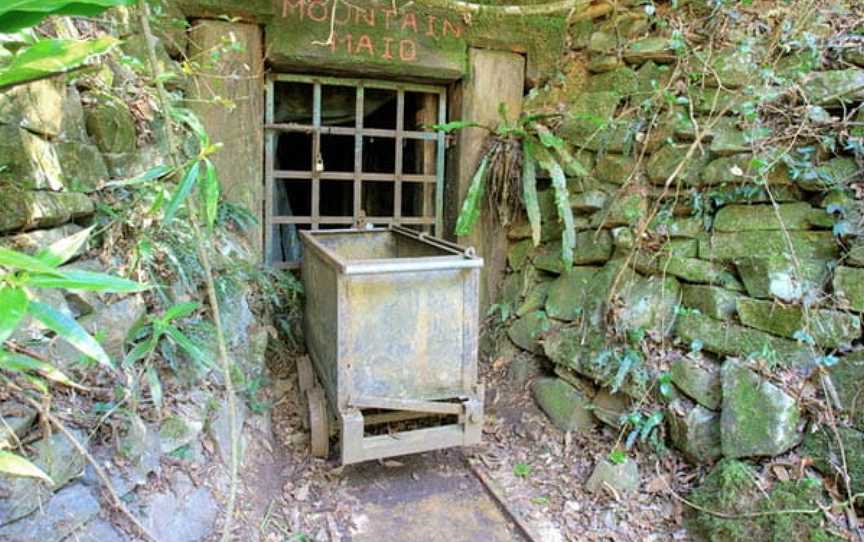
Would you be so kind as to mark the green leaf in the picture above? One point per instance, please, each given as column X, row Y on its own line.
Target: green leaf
column 182, row 191
column 18, row 14
column 17, row 261
column 21, row 363
column 65, row 249
column 140, row 351
column 187, row 345
column 179, row 310
column 210, row 193
column 18, row 466
column 155, row 172
column 529, row 191
column 455, row 125
column 618, row 457
column 155, row 386
column 13, row 307
column 75, row 279
column 47, row 57
column 70, row 330
column 473, row 200
column 562, row 204
column 190, row 119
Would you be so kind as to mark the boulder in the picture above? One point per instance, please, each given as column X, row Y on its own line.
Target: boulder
column 836, row 87
column 667, row 160
column 828, row 328
column 519, row 254
column 623, row 80
column 17, row 420
column 33, row 241
column 712, row 301
column 648, row 304
column 566, row 406
column 830, row 175
column 111, row 125
column 848, row 379
column 822, row 447
column 733, row 505
column 40, row 209
column 687, row 269
column 566, row 294
column 621, row 210
column 58, row 518
column 728, row 139
column 587, row 114
column 602, row 42
column 610, row 407
column 615, row 168
column 734, row 340
column 619, row 477
column 28, row 160
column 689, row 228
column 778, row 276
column 57, row 458
column 591, row 247
column 788, row 216
column 219, row 431
column 82, row 165
column 740, row 169
column 731, row 68
column 111, row 323
column 758, row 418
column 525, row 331
column 590, row 200
column 849, row 287
column 656, row 49
column 186, row 513
column 816, row 245
column 179, row 430
column 36, row 107
column 535, row 298
column 699, row 378
column 694, row 431
column 711, row 101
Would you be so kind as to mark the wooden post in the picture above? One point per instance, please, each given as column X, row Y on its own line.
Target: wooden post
column 237, row 77
column 494, row 77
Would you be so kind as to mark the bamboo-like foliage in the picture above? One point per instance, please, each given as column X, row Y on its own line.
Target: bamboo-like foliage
column 506, row 179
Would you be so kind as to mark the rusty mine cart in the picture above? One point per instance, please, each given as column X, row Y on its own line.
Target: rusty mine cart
column 391, row 324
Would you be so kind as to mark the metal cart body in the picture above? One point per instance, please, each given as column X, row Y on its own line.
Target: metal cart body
column 391, row 324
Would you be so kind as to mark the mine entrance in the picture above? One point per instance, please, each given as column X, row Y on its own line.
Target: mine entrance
column 341, row 152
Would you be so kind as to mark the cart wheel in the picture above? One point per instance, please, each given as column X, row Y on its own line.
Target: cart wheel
column 305, row 375
column 320, row 433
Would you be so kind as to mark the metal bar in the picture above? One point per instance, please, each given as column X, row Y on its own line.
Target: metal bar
column 358, row 154
column 400, row 125
column 368, row 83
column 439, row 168
column 349, row 131
column 348, row 176
column 270, row 150
column 316, row 154
column 381, row 267
column 402, row 443
column 386, row 220
column 390, row 417
column 413, row 405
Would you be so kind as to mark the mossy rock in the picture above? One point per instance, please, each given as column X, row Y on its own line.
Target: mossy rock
column 742, row 168
column 735, row 246
column 693, row 270
column 647, row 303
column 731, row 68
column 726, row 338
column 828, row 328
column 694, row 431
column 733, row 489
column 728, row 139
column 650, row 78
column 588, row 113
column 779, row 276
column 699, row 378
column 848, row 379
column 588, row 201
column 823, row 448
column 525, row 331
column 21, row 209
column 715, row 100
column 535, row 298
column 655, row 48
column 833, row 174
column 689, row 228
column 788, row 216
column 759, row 419
column 566, row 295
column 712, row 301
column 622, row 210
column 837, row 87
column 591, row 247
column 84, row 170
column 567, row 407
column 593, row 132
column 602, row 42
column 519, row 254
column 111, row 125
column 622, row 80
column 667, row 161
column 849, row 287
column 604, row 63
column 615, row 168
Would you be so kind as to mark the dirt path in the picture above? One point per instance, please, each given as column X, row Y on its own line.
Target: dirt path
column 435, row 497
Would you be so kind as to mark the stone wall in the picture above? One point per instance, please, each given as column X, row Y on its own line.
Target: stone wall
column 63, row 142
column 717, row 250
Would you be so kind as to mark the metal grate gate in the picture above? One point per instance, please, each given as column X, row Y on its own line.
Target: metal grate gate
column 317, row 139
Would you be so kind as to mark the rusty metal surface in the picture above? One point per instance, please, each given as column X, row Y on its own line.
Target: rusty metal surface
column 392, row 314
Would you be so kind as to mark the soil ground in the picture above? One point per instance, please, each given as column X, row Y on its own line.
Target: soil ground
column 539, row 471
